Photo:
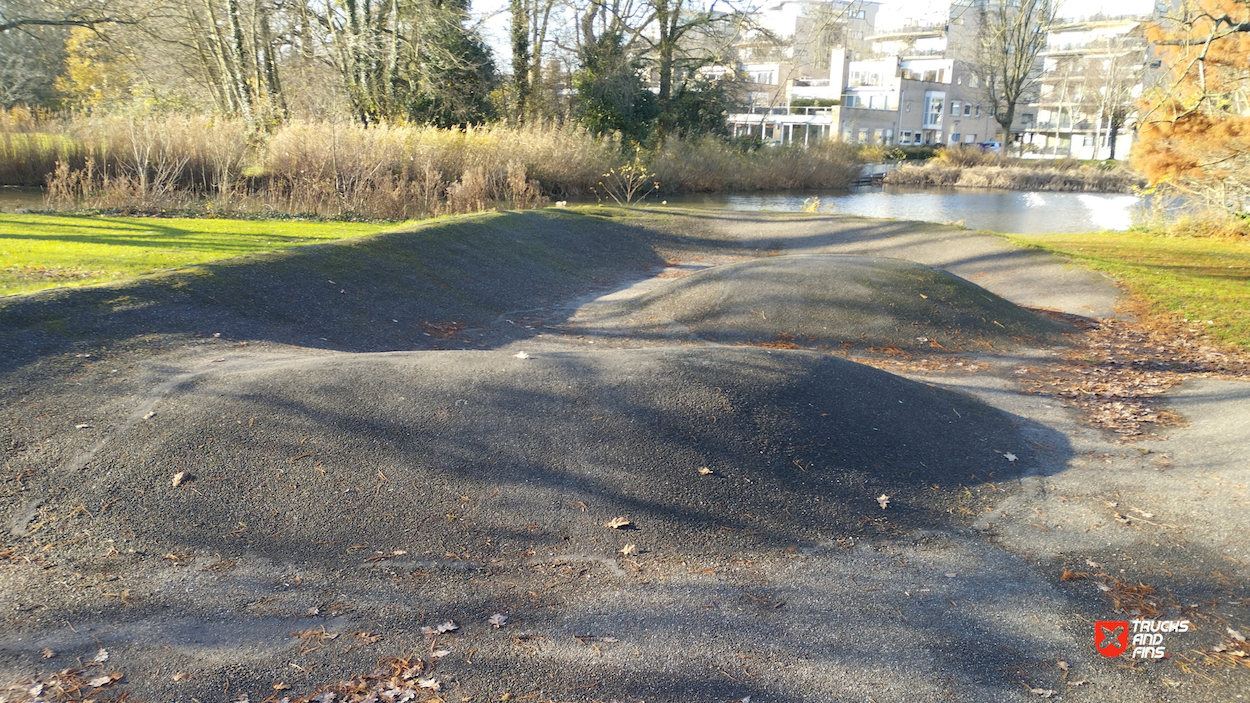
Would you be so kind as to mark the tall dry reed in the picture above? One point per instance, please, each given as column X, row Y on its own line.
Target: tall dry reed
column 341, row 169
column 708, row 165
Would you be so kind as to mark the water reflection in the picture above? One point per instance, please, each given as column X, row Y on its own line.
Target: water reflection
column 996, row 210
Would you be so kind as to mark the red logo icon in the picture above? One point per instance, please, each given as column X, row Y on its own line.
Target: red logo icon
column 1111, row 637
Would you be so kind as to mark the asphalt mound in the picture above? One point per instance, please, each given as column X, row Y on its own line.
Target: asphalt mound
column 437, row 453
column 826, row 301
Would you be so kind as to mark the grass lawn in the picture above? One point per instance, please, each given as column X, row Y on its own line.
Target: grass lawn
column 45, row 251
column 1200, row 279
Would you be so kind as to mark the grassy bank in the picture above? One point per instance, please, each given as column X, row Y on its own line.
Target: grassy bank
column 406, row 289
column 39, row 251
column 398, row 172
column 963, row 167
column 1202, row 281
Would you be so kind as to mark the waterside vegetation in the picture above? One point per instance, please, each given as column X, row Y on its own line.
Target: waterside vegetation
column 967, row 167
column 342, row 169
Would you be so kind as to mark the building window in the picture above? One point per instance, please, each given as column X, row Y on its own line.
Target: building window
column 905, row 137
column 967, row 109
column 909, row 106
column 889, row 136
column 933, row 109
column 970, row 139
column 859, row 15
column 978, row 110
column 863, row 136
column 763, row 77
column 955, row 108
column 877, row 102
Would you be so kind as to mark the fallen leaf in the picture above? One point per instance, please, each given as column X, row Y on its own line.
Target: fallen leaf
column 181, row 676
column 1091, row 562
column 439, row 653
column 179, row 478
column 883, row 500
column 618, row 523
column 1236, row 635
column 1078, row 682
column 705, row 471
column 448, row 626
column 83, row 426
column 149, row 416
column 1063, row 665
column 99, row 681
column 629, row 550
column 35, row 690
column 101, row 656
column 1043, row 692
column 498, row 620
column 313, row 611
column 47, row 653
column 1010, row 457
column 522, row 355
column 281, row 687
column 430, row 683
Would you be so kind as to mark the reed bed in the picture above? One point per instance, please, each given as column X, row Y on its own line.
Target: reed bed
column 962, row 167
column 342, row 170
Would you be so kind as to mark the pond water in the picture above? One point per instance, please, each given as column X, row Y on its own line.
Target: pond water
column 1011, row 211
column 1017, row 212
column 16, row 198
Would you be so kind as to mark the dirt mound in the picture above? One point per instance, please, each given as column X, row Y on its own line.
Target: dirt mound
column 826, row 301
column 462, row 448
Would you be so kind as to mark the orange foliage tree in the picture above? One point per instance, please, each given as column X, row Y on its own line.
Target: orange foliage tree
column 1195, row 133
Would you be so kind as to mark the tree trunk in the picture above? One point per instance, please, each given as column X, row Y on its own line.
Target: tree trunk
column 521, row 79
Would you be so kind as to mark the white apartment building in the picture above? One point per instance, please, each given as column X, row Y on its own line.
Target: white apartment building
column 1092, row 76
column 905, row 87
column 912, row 85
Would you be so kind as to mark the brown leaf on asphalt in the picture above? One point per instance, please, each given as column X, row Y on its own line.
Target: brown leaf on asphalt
column 281, row 687
column 498, row 620
column 179, row 478
column 101, row 656
column 883, row 500
column 705, row 471
column 181, row 676
column 618, row 523
column 430, row 683
column 1076, row 683
column 1043, row 692
column 629, row 550
column 105, row 680
column 1063, row 665
column 1236, row 635
column 47, row 653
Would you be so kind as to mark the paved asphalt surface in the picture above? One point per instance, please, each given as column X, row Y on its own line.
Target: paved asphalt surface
column 801, row 527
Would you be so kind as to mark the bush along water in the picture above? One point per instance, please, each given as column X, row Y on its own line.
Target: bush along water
column 343, row 170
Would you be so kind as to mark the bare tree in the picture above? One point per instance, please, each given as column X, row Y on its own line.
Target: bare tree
column 19, row 14
column 1011, row 36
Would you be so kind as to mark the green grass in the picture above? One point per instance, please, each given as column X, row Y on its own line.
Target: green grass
column 1200, row 279
column 46, row 251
